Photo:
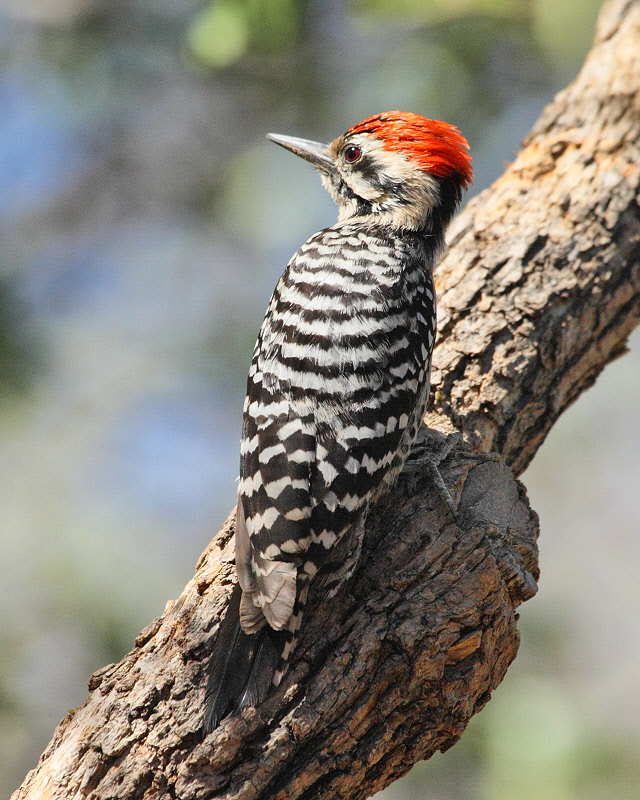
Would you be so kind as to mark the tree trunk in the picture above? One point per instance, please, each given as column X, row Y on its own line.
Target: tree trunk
column 539, row 291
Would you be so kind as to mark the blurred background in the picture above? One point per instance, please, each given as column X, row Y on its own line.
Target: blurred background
column 144, row 221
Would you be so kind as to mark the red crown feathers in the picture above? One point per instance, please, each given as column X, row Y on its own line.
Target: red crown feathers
column 437, row 147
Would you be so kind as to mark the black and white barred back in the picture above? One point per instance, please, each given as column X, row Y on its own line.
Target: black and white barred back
column 337, row 387
column 336, row 392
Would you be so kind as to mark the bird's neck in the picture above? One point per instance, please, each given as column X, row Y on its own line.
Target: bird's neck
column 423, row 208
column 431, row 225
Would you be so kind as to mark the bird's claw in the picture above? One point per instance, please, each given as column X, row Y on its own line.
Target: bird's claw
column 430, row 452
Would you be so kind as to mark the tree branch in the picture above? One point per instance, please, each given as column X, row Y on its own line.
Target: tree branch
column 540, row 289
column 538, row 293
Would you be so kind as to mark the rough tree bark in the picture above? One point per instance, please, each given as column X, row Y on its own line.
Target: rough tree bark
column 538, row 293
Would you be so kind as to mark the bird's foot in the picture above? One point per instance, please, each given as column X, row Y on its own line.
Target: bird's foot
column 431, row 450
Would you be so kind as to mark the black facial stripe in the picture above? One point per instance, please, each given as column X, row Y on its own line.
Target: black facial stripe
column 373, row 174
column 362, row 206
column 449, row 197
column 370, row 171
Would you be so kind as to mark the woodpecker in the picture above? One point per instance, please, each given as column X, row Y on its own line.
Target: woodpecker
column 337, row 387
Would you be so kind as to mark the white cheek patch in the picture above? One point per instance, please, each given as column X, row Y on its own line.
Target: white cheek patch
column 379, row 156
column 407, row 208
column 363, row 188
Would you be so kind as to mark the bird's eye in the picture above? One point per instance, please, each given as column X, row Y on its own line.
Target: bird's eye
column 352, row 153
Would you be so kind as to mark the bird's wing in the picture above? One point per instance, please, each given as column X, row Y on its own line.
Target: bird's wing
column 351, row 469
column 277, row 451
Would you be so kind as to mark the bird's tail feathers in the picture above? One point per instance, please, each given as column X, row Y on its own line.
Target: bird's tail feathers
column 291, row 633
column 242, row 667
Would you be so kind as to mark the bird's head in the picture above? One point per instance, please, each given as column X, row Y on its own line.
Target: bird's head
column 395, row 168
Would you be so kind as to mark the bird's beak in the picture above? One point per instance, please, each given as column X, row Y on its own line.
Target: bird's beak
column 315, row 152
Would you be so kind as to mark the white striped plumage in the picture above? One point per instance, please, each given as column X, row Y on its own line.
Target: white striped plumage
column 340, row 374
column 353, row 384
